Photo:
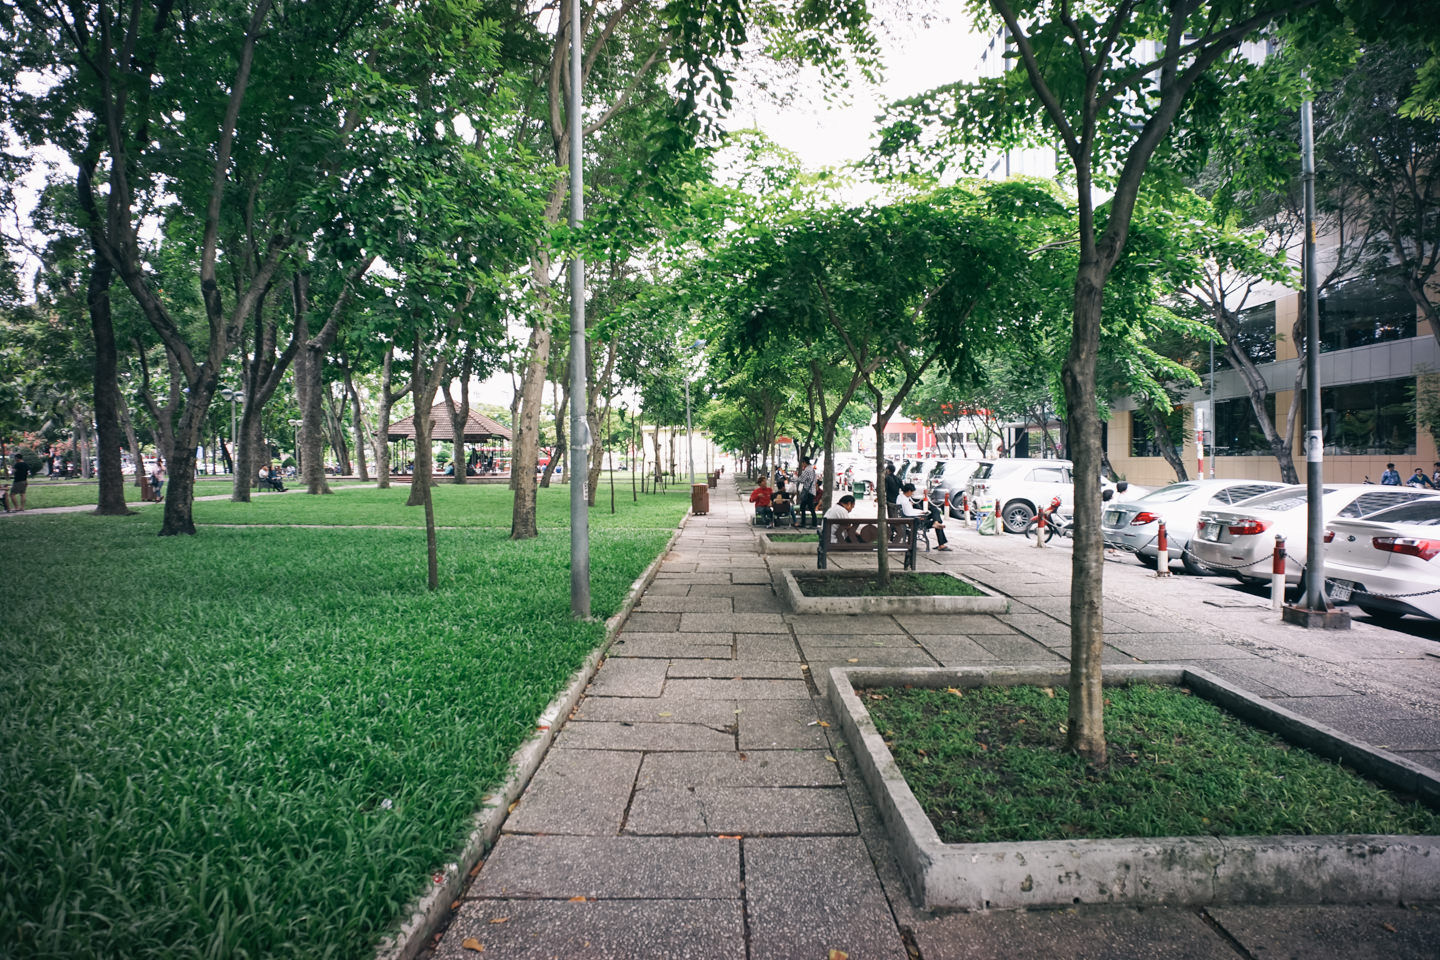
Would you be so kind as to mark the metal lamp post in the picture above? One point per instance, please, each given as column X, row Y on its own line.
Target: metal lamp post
column 227, row 393
column 296, row 425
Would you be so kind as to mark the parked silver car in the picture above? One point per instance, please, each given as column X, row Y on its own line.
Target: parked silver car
column 1240, row 540
column 1385, row 564
column 1134, row 526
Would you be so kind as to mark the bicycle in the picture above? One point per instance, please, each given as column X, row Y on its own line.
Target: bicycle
column 1055, row 523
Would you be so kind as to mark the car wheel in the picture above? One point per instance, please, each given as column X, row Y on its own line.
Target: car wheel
column 1017, row 516
column 1192, row 566
column 1382, row 616
column 1151, row 561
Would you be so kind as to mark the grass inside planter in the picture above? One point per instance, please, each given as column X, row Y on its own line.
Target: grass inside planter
column 990, row 765
column 261, row 742
column 901, row 585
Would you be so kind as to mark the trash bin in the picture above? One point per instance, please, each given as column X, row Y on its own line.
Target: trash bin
column 699, row 499
column 714, row 479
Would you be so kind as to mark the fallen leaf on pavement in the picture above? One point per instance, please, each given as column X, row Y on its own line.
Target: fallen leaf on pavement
column 499, row 919
column 577, row 899
column 838, row 955
column 470, row 943
column 1388, row 927
column 729, row 836
column 667, row 714
column 822, row 723
column 831, row 759
column 853, row 660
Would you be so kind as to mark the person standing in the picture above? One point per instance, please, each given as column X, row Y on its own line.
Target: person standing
column 892, row 489
column 1391, row 476
column 157, row 481
column 19, row 483
column 807, row 492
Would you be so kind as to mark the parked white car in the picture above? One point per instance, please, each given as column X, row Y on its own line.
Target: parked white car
column 1384, row 564
column 1134, row 526
column 1020, row 487
column 1240, row 540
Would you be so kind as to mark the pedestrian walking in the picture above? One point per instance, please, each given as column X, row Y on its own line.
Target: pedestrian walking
column 19, row 483
column 806, row 481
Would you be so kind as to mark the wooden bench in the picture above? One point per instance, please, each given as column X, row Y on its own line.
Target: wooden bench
column 861, row 536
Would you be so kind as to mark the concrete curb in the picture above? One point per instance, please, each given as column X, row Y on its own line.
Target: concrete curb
column 797, row 548
column 425, row 914
column 992, row 602
column 1166, row 870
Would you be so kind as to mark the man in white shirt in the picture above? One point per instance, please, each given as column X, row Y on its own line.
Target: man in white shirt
column 908, row 509
column 840, row 511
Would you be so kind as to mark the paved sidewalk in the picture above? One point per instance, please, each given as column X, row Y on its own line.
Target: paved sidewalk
column 698, row 803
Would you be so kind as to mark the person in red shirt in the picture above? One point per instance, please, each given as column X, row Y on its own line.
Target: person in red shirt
column 761, row 496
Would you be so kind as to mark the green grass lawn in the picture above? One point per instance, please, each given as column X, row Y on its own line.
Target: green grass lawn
column 990, row 765
column 261, row 742
column 70, row 493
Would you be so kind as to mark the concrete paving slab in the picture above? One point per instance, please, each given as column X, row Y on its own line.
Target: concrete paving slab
column 723, row 639
column 799, row 811
column 781, row 725
column 1226, row 670
column 809, row 896
column 732, row 669
column 760, row 575
column 576, row 792
column 818, row 640
column 820, row 669
column 1388, row 734
column 1038, row 625
column 957, row 651
column 1289, row 680
column 659, row 604
column 738, row 622
column 1016, row 649
column 1425, row 758
column 597, row 930
column 628, row 677
column 1333, row 932
column 1343, row 709
column 1091, row 933
column 742, row 591
column 558, row 868
column 766, row 646
column 1139, row 646
column 870, row 625
column 745, row 768
column 653, row 622
column 738, row 689
column 769, row 604
column 667, row 649
column 969, row 625
column 712, row 713
column 626, row 735
column 667, row 575
column 667, row 589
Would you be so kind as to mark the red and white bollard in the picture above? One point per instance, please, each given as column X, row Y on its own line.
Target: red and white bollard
column 1277, row 574
column 1162, row 552
column 1040, row 528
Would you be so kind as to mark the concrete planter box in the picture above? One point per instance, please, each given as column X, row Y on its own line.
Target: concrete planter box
column 787, row 548
column 989, row 603
column 1179, row 870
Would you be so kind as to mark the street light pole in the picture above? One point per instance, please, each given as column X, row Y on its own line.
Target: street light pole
column 579, row 465
column 227, row 393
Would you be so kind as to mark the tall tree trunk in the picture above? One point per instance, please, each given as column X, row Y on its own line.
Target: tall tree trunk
column 1168, row 449
column 558, row 455
column 107, row 391
column 460, row 413
column 131, row 440
column 1257, row 390
column 1086, row 732
column 882, row 509
column 335, row 426
column 357, row 425
column 598, row 417
column 525, row 443
column 388, row 399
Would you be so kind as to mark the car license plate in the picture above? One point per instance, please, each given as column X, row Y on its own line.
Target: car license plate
column 1112, row 518
column 1340, row 590
column 1211, row 531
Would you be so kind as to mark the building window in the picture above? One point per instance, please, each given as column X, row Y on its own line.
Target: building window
column 1143, row 442
column 1257, row 336
column 1237, row 432
column 1363, row 311
column 1370, row 419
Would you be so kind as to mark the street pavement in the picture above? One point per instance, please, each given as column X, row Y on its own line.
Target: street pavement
column 699, row 804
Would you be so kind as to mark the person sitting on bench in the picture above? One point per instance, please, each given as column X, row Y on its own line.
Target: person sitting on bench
column 761, row 497
column 840, row 511
column 270, row 480
column 908, row 509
